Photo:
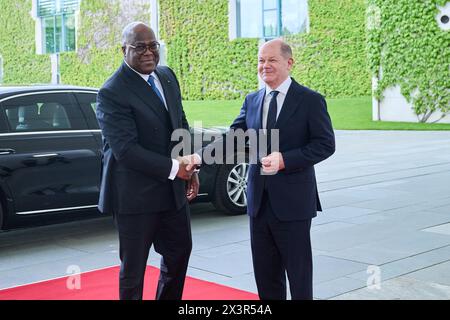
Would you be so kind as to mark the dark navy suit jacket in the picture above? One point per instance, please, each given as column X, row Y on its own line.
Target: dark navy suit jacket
column 305, row 138
column 137, row 130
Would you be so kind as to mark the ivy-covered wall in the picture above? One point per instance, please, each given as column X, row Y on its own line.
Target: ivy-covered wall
column 331, row 58
column 99, row 30
column 209, row 65
column 406, row 47
column 17, row 45
column 99, row 37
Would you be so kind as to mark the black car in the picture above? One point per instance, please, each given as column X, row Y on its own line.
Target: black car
column 50, row 158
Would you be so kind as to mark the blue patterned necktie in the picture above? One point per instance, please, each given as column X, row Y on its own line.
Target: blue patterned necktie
column 151, row 81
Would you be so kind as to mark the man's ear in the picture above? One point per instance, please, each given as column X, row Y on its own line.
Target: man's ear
column 124, row 50
column 290, row 63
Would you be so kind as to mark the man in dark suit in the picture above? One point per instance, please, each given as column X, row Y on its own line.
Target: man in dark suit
column 142, row 186
column 282, row 195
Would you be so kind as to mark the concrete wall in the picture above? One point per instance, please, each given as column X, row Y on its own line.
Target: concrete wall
column 395, row 107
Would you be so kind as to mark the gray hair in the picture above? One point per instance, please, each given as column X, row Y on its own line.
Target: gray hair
column 286, row 50
column 128, row 31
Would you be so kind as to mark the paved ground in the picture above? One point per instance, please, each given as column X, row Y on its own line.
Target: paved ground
column 386, row 199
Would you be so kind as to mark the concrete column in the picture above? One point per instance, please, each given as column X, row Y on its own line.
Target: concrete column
column 232, row 23
column 56, row 77
column 154, row 17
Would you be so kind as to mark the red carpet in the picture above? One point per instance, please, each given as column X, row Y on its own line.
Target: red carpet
column 104, row 285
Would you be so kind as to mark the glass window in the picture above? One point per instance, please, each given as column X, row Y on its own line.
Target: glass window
column 249, row 18
column 48, row 24
column 69, row 32
column 294, row 16
column 270, row 4
column 43, row 112
column 58, row 24
column 271, row 24
column 3, row 123
column 88, row 103
column 271, row 18
column 53, row 7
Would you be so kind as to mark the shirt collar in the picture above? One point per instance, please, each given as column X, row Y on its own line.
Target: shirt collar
column 143, row 76
column 282, row 88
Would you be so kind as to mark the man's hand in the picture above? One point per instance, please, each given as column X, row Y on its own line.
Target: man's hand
column 183, row 171
column 272, row 163
column 192, row 187
column 193, row 161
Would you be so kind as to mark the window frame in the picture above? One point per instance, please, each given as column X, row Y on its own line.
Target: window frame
column 234, row 16
column 78, row 123
column 4, row 123
column 88, row 111
column 64, row 14
column 279, row 23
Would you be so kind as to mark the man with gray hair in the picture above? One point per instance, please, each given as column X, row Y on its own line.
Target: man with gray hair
column 282, row 193
column 144, row 189
column 282, row 196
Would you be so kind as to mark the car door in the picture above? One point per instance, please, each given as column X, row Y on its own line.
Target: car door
column 53, row 162
column 87, row 100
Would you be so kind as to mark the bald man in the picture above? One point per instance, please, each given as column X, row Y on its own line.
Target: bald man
column 282, row 195
column 142, row 186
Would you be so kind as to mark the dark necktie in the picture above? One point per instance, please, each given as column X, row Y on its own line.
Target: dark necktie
column 151, row 80
column 271, row 118
column 272, row 114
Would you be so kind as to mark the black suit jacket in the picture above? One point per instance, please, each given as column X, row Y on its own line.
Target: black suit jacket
column 137, row 145
column 306, row 138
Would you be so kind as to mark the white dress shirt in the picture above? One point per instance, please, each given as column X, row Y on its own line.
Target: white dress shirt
column 282, row 89
column 175, row 163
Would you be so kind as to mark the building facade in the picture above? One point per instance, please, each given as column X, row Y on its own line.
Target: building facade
column 211, row 44
column 409, row 56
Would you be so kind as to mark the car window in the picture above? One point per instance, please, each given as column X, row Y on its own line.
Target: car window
column 43, row 112
column 88, row 103
column 3, row 125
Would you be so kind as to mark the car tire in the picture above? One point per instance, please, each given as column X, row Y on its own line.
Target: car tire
column 230, row 194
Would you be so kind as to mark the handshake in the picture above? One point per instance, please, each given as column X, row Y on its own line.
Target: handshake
column 188, row 165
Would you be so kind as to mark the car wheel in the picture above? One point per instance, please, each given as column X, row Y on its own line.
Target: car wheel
column 230, row 194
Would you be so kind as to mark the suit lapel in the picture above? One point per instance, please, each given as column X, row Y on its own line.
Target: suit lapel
column 141, row 89
column 169, row 95
column 259, row 106
column 291, row 103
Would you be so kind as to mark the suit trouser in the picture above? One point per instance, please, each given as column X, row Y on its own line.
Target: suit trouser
column 280, row 247
column 170, row 232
